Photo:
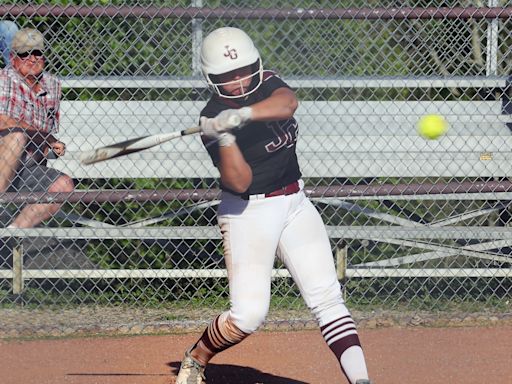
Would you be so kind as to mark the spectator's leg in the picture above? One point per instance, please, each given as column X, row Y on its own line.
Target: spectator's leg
column 11, row 149
column 33, row 214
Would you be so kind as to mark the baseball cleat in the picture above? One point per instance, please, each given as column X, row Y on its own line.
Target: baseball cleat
column 191, row 372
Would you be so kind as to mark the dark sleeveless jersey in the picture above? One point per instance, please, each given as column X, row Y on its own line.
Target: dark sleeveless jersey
column 269, row 147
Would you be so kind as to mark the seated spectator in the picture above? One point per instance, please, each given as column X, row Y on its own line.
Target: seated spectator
column 29, row 118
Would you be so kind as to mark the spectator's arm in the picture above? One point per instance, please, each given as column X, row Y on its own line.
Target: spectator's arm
column 9, row 122
column 36, row 136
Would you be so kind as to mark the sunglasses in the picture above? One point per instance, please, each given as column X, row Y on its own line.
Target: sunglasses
column 25, row 55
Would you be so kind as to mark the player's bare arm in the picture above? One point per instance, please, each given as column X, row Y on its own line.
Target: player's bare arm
column 281, row 105
column 235, row 173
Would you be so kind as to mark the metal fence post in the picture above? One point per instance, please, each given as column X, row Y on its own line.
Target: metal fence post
column 492, row 43
column 197, row 38
column 17, row 267
column 341, row 261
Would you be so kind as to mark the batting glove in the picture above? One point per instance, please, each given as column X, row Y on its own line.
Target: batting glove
column 232, row 118
column 211, row 129
column 225, row 121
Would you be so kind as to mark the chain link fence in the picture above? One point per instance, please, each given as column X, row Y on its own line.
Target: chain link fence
column 417, row 227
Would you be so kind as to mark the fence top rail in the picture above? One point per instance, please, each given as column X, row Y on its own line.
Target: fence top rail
column 142, row 82
column 349, row 13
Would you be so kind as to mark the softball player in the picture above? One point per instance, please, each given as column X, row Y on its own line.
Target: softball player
column 263, row 209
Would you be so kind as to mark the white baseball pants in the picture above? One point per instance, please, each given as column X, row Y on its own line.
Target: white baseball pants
column 253, row 232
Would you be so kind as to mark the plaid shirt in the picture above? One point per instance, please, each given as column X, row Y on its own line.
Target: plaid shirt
column 17, row 100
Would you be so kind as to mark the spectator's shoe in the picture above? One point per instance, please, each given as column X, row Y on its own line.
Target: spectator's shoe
column 363, row 381
column 191, row 372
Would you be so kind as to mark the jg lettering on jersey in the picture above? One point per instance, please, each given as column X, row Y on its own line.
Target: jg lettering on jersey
column 285, row 132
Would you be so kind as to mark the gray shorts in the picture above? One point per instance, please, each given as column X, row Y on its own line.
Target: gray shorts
column 32, row 174
column 36, row 177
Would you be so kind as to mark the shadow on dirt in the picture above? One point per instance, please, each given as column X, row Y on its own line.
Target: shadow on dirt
column 235, row 374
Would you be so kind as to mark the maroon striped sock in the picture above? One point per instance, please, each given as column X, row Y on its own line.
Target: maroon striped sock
column 340, row 335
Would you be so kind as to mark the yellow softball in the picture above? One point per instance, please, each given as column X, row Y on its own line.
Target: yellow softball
column 432, row 126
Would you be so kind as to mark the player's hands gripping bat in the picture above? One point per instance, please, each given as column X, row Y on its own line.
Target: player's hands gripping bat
column 225, row 121
column 219, row 127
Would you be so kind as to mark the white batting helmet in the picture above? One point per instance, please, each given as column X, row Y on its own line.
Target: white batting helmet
column 226, row 49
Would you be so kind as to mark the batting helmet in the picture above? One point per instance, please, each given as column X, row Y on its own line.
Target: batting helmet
column 227, row 49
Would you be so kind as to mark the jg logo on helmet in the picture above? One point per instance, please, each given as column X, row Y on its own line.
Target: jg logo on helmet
column 231, row 53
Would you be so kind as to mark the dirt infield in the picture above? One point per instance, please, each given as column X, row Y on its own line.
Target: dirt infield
column 395, row 355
